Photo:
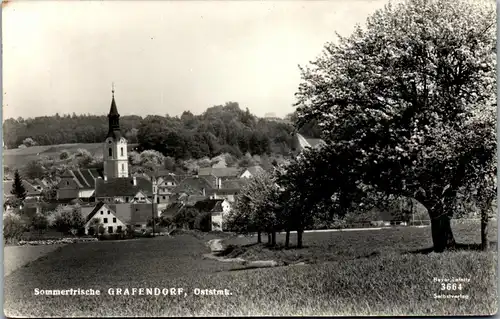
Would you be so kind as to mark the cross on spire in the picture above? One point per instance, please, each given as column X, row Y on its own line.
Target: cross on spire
column 113, row 89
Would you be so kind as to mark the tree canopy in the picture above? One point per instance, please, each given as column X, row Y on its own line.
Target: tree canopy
column 406, row 104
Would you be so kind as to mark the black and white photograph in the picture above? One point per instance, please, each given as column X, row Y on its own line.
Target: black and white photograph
column 249, row 158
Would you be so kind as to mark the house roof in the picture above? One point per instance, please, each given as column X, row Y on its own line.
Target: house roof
column 234, row 183
column 128, row 213
column 209, row 205
column 193, row 185
column 122, row 186
column 172, row 209
column 308, row 141
column 254, row 170
column 30, row 189
column 223, row 191
column 84, row 178
column 219, row 171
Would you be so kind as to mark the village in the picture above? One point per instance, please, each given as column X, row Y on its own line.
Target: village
column 114, row 200
column 220, row 179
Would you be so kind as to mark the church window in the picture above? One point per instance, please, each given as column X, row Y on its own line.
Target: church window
column 123, row 167
column 105, row 220
column 110, row 152
column 121, row 151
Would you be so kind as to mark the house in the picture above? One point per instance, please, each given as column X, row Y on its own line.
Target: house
column 78, row 183
column 217, row 208
column 104, row 215
column 301, row 142
column 124, row 190
column 193, row 185
column 32, row 191
column 252, row 171
column 116, row 217
column 227, row 189
column 166, row 183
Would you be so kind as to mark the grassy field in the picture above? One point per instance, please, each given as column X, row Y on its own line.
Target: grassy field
column 356, row 282
column 16, row 158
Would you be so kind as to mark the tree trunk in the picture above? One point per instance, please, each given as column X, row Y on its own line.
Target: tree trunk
column 442, row 235
column 269, row 238
column 287, row 239
column 484, row 230
column 273, row 238
column 299, row 238
column 259, row 237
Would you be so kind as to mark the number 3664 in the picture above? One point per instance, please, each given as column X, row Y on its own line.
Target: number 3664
column 451, row 286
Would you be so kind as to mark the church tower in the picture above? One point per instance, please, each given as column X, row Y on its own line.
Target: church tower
column 115, row 145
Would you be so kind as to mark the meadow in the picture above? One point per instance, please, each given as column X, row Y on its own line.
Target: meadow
column 19, row 157
column 348, row 273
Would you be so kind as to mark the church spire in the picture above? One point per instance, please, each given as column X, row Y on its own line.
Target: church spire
column 114, row 117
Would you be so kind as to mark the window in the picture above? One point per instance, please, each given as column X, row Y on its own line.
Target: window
column 110, row 152
column 123, row 167
column 114, row 220
column 105, row 220
column 108, row 212
column 102, row 212
column 121, row 151
column 110, row 229
column 119, row 228
column 138, row 225
column 67, row 183
column 127, row 199
column 163, row 197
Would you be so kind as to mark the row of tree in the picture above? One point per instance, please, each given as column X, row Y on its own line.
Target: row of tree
column 220, row 129
column 406, row 108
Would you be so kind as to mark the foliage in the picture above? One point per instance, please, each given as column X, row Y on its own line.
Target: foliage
column 28, row 142
column 220, row 129
column 185, row 218
column 407, row 104
column 256, row 206
column 66, row 221
column 34, row 169
column 64, row 155
column 13, row 227
column 18, row 189
column 39, row 222
column 203, row 221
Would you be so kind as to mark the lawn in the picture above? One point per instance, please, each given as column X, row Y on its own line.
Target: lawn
column 356, row 282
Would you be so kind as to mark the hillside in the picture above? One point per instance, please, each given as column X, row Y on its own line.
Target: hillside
column 220, row 129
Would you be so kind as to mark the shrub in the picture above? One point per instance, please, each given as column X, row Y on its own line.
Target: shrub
column 64, row 155
column 203, row 222
column 13, row 228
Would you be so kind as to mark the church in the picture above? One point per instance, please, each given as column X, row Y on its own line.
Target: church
column 113, row 184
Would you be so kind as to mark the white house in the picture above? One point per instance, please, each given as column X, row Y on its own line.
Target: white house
column 107, row 217
column 221, row 208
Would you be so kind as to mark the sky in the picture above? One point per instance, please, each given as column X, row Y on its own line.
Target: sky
column 164, row 57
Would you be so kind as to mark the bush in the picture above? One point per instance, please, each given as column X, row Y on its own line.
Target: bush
column 13, row 228
column 64, row 155
column 203, row 222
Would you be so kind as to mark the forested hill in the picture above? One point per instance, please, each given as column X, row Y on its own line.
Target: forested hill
column 219, row 129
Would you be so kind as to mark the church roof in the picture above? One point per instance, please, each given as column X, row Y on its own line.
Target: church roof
column 113, row 110
column 122, row 186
